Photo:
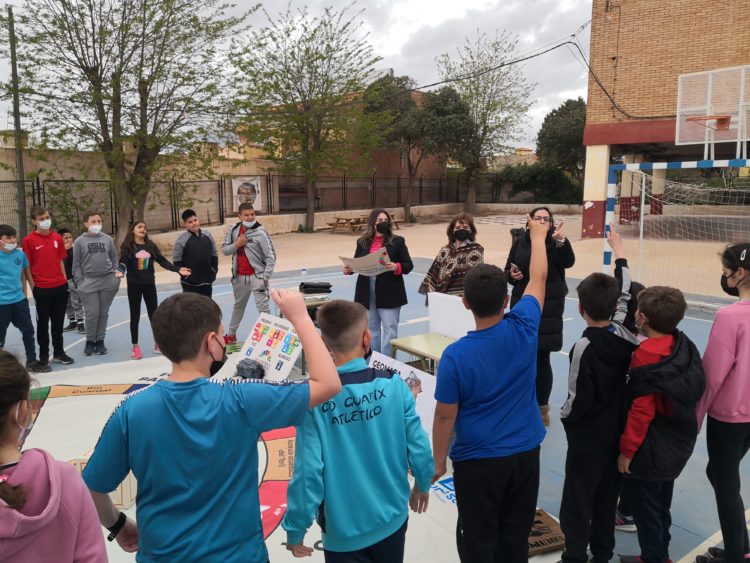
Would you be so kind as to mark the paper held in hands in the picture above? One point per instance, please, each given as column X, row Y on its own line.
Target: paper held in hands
column 371, row 265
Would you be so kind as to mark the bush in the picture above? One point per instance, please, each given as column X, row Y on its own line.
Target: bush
column 548, row 183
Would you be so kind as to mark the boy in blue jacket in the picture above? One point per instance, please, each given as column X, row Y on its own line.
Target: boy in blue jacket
column 354, row 453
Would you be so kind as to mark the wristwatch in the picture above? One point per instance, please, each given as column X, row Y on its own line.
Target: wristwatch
column 115, row 529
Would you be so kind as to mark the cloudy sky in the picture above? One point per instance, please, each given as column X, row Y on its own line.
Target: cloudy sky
column 410, row 34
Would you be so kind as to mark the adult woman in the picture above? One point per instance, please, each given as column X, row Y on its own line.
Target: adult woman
column 137, row 256
column 727, row 403
column 385, row 294
column 455, row 259
column 560, row 256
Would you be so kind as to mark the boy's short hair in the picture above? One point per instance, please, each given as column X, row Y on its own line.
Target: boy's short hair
column 187, row 214
column 7, row 231
column 89, row 213
column 245, row 205
column 598, row 294
column 664, row 306
column 485, row 290
column 64, row 231
column 36, row 211
column 181, row 322
column 342, row 324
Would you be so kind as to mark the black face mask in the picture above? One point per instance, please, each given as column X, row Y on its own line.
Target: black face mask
column 733, row 291
column 462, row 235
column 216, row 365
column 383, row 227
column 368, row 354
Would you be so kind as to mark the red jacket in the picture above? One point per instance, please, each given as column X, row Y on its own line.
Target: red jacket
column 46, row 254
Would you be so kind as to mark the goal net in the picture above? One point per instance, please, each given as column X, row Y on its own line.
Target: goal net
column 675, row 228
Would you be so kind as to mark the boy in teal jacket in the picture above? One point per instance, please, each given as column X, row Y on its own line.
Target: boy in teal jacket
column 354, row 453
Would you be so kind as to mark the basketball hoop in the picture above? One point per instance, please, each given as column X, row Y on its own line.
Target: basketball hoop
column 720, row 122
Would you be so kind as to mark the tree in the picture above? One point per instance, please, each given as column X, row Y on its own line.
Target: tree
column 560, row 139
column 300, row 80
column 105, row 73
column 497, row 93
column 418, row 124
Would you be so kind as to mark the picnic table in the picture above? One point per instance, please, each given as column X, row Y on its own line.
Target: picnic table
column 354, row 224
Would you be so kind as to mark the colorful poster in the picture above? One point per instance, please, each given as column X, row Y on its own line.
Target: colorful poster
column 422, row 386
column 247, row 189
column 274, row 344
column 371, row 265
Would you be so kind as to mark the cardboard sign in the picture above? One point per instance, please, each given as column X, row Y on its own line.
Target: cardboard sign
column 274, row 344
column 371, row 265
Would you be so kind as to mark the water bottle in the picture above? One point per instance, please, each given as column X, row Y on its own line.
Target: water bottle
column 303, row 275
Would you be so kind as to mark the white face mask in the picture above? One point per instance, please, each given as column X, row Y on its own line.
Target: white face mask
column 10, row 246
column 25, row 428
column 45, row 225
column 249, row 224
column 95, row 229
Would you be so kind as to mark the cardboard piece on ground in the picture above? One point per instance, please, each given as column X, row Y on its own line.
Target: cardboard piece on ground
column 448, row 315
column 123, row 496
column 371, row 265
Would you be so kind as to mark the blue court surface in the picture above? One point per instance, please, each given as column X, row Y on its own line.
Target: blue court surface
column 694, row 512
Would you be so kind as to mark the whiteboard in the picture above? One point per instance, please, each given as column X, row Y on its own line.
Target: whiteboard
column 448, row 315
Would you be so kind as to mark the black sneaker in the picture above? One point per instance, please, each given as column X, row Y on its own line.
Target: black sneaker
column 99, row 348
column 62, row 359
column 90, row 348
column 38, row 367
column 717, row 552
column 709, row 559
column 81, row 328
column 72, row 326
column 624, row 523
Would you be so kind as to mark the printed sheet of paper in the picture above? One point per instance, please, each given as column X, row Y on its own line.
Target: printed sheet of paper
column 274, row 344
column 371, row 265
column 422, row 386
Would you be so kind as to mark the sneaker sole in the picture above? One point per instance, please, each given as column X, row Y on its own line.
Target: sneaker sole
column 627, row 528
column 58, row 361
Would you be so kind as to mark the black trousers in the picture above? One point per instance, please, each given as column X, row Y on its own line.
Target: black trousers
column 206, row 290
column 727, row 444
column 136, row 292
column 624, row 503
column 651, row 502
column 388, row 550
column 543, row 377
column 589, row 500
column 496, row 500
column 51, row 305
column 19, row 316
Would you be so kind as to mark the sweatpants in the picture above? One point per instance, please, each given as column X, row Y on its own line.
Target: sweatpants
column 206, row 290
column 589, row 501
column 97, row 295
column 51, row 304
column 727, row 443
column 388, row 550
column 623, row 505
column 496, row 500
column 136, row 292
column 75, row 307
column 19, row 315
column 651, row 502
column 543, row 377
column 242, row 287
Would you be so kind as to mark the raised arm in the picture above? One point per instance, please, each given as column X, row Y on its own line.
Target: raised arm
column 538, row 263
column 622, row 273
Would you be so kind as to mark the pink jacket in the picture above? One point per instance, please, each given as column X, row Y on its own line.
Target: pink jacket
column 727, row 366
column 58, row 521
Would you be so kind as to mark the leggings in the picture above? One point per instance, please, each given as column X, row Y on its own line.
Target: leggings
column 543, row 377
column 135, row 293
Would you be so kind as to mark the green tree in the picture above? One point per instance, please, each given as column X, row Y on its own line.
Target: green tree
column 132, row 79
column 300, row 82
column 497, row 95
column 560, row 139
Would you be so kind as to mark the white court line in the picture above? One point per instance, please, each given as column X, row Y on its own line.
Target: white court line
column 710, row 542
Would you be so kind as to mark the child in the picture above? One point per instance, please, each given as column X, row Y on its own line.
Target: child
column 46, row 253
column 137, row 256
column 196, row 251
column 593, row 415
column 374, row 408
column 727, row 404
column 46, row 513
column 665, row 382
column 486, row 385
column 97, row 279
column 14, row 306
column 253, row 260
column 190, row 442
column 74, row 309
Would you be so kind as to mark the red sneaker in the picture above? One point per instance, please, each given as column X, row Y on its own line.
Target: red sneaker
column 229, row 339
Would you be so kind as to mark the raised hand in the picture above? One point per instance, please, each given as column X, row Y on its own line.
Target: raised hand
column 616, row 242
column 559, row 234
column 291, row 303
column 537, row 229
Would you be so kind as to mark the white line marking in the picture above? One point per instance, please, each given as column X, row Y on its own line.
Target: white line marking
column 710, row 542
column 415, row 321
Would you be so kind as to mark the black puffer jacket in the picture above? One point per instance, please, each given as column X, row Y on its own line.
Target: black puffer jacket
column 670, row 440
column 559, row 258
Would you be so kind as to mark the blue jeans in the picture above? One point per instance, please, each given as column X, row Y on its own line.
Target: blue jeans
column 651, row 502
column 388, row 318
column 20, row 316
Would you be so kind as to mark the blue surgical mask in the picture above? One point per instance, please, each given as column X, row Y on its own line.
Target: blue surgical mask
column 25, row 428
column 249, row 224
column 45, row 225
column 10, row 246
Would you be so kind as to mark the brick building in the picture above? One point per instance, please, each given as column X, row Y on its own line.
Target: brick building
column 639, row 48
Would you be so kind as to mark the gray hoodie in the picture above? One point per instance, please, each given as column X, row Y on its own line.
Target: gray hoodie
column 259, row 250
column 94, row 262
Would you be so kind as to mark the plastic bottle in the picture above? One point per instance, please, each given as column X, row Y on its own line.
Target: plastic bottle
column 303, row 275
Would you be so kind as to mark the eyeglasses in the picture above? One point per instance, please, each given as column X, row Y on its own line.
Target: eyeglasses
column 540, row 219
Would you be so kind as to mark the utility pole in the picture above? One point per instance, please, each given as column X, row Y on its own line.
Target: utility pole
column 21, row 188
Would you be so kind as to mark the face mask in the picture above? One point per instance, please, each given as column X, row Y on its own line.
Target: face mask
column 10, row 247
column 45, row 225
column 383, row 227
column 216, row 365
column 249, row 224
column 462, row 235
column 25, row 428
column 95, row 229
column 733, row 291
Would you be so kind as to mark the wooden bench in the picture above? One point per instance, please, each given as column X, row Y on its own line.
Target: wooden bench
column 348, row 224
